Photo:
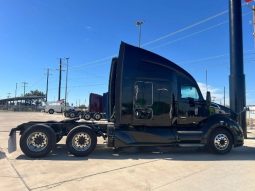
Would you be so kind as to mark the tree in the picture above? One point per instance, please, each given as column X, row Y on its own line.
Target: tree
column 35, row 93
column 37, row 101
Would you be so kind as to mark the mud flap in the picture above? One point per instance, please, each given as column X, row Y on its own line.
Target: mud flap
column 12, row 145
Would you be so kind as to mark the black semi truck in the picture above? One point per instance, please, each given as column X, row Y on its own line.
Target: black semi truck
column 152, row 102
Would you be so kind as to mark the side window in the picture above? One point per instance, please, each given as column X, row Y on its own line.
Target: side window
column 143, row 94
column 189, row 92
column 143, row 100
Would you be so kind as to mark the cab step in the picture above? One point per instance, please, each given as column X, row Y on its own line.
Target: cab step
column 191, row 145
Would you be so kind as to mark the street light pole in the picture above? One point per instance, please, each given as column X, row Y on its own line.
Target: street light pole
column 237, row 78
column 59, row 82
column 47, row 83
column 139, row 24
column 67, row 59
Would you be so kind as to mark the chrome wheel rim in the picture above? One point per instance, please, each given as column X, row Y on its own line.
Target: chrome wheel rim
column 221, row 142
column 37, row 141
column 81, row 141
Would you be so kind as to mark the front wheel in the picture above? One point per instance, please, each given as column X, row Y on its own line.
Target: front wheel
column 220, row 142
column 81, row 141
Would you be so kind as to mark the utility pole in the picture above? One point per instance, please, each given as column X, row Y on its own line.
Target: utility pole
column 16, row 89
column 224, row 97
column 24, row 86
column 237, row 77
column 67, row 59
column 9, row 95
column 206, row 80
column 47, row 83
column 253, row 20
column 60, row 76
column 139, row 25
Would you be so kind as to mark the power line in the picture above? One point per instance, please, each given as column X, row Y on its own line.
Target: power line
column 36, row 82
column 186, row 28
column 190, row 35
column 166, row 36
column 196, row 33
column 158, row 39
column 80, row 86
column 93, row 62
column 210, row 58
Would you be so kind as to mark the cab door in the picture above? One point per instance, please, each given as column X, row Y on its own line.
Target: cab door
column 152, row 113
column 191, row 106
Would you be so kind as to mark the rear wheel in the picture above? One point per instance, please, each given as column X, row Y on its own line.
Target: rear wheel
column 66, row 114
column 221, row 141
column 87, row 116
column 97, row 116
column 72, row 115
column 37, row 141
column 51, row 111
column 81, row 141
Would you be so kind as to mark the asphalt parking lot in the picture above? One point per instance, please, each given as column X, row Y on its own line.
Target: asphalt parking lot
column 129, row 169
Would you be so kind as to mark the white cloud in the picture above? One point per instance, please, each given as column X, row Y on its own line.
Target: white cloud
column 216, row 93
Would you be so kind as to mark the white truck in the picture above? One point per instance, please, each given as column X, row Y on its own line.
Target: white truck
column 56, row 106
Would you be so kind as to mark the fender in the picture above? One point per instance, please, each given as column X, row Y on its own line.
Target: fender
column 220, row 121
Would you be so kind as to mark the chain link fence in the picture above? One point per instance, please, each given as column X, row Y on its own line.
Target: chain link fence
column 250, row 117
column 19, row 107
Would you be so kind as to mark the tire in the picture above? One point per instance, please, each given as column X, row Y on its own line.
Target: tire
column 37, row 141
column 66, row 114
column 72, row 115
column 87, row 116
column 97, row 116
column 51, row 111
column 81, row 141
column 220, row 142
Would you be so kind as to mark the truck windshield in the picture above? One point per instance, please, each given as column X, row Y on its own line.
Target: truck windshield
column 189, row 92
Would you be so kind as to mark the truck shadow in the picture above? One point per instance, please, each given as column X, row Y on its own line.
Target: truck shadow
column 2, row 155
column 164, row 153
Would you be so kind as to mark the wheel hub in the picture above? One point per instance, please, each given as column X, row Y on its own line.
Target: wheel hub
column 37, row 141
column 221, row 141
column 81, row 141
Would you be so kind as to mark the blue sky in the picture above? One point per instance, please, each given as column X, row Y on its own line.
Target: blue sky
column 35, row 34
